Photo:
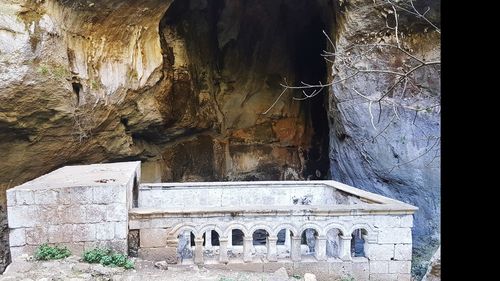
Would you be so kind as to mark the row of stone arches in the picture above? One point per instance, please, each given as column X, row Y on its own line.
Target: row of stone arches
column 237, row 242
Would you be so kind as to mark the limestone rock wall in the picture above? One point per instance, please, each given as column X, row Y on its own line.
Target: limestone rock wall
column 396, row 152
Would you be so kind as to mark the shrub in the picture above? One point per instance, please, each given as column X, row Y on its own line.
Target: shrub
column 107, row 258
column 46, row 252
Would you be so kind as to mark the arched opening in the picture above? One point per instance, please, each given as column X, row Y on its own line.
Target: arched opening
column 237, row 237
column 358, row 242
column 333, row 243
column 284, row 243
column 308, row 241
column 185, row 245
column 259, row 242
column 235, row 244
column 211, row 244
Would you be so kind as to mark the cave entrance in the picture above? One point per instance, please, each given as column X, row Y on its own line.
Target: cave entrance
column 311, row 68
column 237, row 53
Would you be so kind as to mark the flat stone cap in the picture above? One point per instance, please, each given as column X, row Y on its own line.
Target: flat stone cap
column 109, row 174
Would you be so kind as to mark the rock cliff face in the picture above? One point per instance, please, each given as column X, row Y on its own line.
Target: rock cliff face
column 182, row 85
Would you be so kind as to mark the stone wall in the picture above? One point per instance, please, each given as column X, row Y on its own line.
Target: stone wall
column 80, row 207
column 388, row 243
column 165, row 231
column 217, row 194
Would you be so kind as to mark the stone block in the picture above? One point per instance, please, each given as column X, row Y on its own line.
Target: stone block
column 386, row 221
column 394, row 235
column 116, row 212
column 406, row 221
column 16, row 252
column 95, row 213
column 121, row 230
column 115, row 245
column 11, row 197
column 383, row 277
column 60, row 233
column 320, row 268
column 25, row 197
column 84, row 233
column 360, row 269
column 246, row 266
column 76, row 248
column 379, row 267
column 339, row 269
column 71, row 214
column 168, row 254
column 153, row 237
column 47, row 215
column 109, row 194
column 37, row 235
column 400, row 267
column 379, row 251
column 273, row 266
column 76, row 195
column 404, row 277
column 22, row 216
column 105, row 231
column 46, row 197
column 17, row 237
column 403, row 252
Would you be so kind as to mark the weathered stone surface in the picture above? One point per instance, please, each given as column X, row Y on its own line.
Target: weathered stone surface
column 158, row 254
column 163, row 265
column 394, row 235
column 380, row 251
column 104, row 231
column 21, row 216
column 383, row 277
column 17, row 237
column 379, row 267
column 153, row 237
column 398, row 157
column 402, row 252
column 400, row 267
column 84, row 232
column 280, row 274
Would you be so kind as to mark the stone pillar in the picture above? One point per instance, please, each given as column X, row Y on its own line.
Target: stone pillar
column 288, row 243
column 198, row 251
column 320, row 248
column 230, row 239
column 345, row 248
column 223, row 250
column 208, row 239
column 247, row 248
column 272, row 250
column 295, row 252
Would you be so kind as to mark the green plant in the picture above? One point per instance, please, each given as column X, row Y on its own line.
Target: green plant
column 46, row 252
column 349, row 278
column 107, row 258
column 296, row 276
column 43, row 69
column 59, row 71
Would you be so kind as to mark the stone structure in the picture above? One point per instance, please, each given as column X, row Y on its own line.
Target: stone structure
column 80, row 207
column 325, row 227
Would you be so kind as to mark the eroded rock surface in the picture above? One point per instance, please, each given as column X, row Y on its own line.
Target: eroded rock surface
column 182, row 85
